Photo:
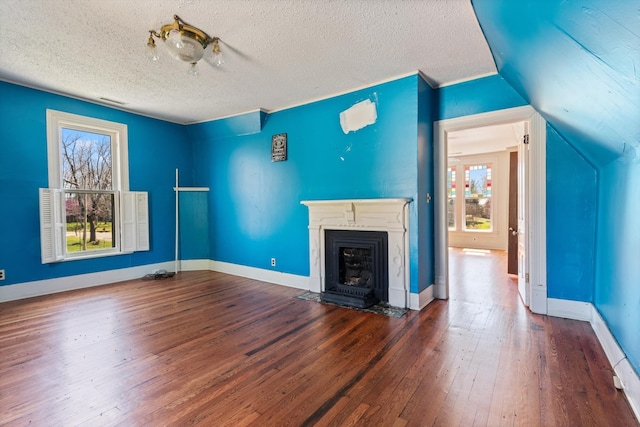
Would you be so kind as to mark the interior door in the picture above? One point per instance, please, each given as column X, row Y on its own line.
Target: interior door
column 523, row 220
column 512, row 240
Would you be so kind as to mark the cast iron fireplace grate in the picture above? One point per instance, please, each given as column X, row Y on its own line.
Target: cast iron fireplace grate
column 355, row 268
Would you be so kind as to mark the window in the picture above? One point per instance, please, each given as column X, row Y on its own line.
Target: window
column 89, row 197
column 451, row 198
column 477, row 197
column 87, row 210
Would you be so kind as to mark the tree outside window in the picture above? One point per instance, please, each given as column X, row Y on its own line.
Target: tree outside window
column 88, row 190
column 87, row 211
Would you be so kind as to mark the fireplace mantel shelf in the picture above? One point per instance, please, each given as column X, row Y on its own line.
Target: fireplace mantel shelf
column 389, row 215
column 356, row 201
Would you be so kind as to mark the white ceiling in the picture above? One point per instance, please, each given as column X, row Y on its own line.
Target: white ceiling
column 486, row 139
column 278, row 53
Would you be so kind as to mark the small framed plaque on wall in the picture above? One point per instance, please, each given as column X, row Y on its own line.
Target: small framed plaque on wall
column 279, row 147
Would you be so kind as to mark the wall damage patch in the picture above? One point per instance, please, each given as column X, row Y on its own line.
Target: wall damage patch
column 358, row 116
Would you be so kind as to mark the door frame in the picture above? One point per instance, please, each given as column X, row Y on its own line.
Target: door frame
column 537, row 226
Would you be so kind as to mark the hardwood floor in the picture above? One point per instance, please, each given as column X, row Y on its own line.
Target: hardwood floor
column 211, row 349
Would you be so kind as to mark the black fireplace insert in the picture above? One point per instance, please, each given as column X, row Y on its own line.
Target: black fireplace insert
column 356, row 268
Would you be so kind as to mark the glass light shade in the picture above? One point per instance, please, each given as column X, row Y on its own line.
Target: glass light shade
column 152, row 52
column 193, row 70
column 217, row 58
column 183, row 47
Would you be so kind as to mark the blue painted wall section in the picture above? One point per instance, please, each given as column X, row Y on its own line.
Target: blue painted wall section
column 156, row 148
column 194, row 225
column 242, row 124
column 482, row 95
column 578, row 63
column 427, row 110
column 572, row 188
column 255, row 212
column 617, row 294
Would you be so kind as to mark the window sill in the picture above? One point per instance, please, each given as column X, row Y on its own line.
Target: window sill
column 93, row 256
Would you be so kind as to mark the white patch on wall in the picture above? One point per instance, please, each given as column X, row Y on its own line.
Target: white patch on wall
column 358, row 116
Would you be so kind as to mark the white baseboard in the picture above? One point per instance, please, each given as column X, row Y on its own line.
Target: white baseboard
column 270, row 276
column 194, row 265
column 68, row 283
column 618, row 360
column 421, row 300
column 417, row 301
column 576, row 310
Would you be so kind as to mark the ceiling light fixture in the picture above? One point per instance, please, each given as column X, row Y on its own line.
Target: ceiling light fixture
column 184, row 42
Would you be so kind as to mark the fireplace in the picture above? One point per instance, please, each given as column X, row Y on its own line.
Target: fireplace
column 356, row 268
column 390, row 216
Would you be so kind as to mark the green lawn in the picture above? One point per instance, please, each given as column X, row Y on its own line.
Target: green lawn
column 74, row 240
column 74, row 244
column 77, row 227
column 478, row 224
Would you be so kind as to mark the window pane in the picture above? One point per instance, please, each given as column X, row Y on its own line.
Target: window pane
column 89, row 219
column 451, row 197
column 86, row 160
column 477, row 197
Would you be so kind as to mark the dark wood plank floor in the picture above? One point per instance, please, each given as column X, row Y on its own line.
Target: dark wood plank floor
column 211, row 349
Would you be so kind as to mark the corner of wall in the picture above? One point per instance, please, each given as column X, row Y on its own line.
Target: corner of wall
column 422, row 299
column 585, row 311
column 68, row 283
column 629, row 379
column 567, row 309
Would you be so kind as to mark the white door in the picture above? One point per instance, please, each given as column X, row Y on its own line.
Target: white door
column 523, row 221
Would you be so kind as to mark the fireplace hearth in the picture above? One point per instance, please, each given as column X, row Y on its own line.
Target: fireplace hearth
column 356, row 268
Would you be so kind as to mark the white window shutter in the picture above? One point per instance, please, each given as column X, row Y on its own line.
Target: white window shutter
column 128, row 222
column 142, row 221
column 52, row 232
column 135, row 221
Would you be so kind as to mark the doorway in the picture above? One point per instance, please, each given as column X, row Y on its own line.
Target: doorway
column 532, row 227
column 482, row 204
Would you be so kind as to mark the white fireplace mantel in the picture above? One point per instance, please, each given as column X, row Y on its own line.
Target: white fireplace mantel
column 390, row 215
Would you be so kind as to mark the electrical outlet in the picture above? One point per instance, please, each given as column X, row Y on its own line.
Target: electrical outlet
column 1, row 274
column 273, row 262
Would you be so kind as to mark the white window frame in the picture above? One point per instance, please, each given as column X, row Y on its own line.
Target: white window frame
column 130, row 208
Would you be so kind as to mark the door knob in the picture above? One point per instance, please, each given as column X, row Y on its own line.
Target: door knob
column 513, row 232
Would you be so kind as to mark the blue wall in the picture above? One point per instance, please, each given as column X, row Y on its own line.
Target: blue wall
column 194, row 225
column 255, row 210
column 617, row 294
column 156, row 148
column 427, row 111
column 477, row 96
column 571, row 221
column 577, row 62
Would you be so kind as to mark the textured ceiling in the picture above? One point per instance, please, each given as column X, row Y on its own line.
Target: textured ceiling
column 277, row 53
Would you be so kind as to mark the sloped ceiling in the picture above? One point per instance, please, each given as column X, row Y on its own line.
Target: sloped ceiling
column 577, row 62
column 278, row 53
